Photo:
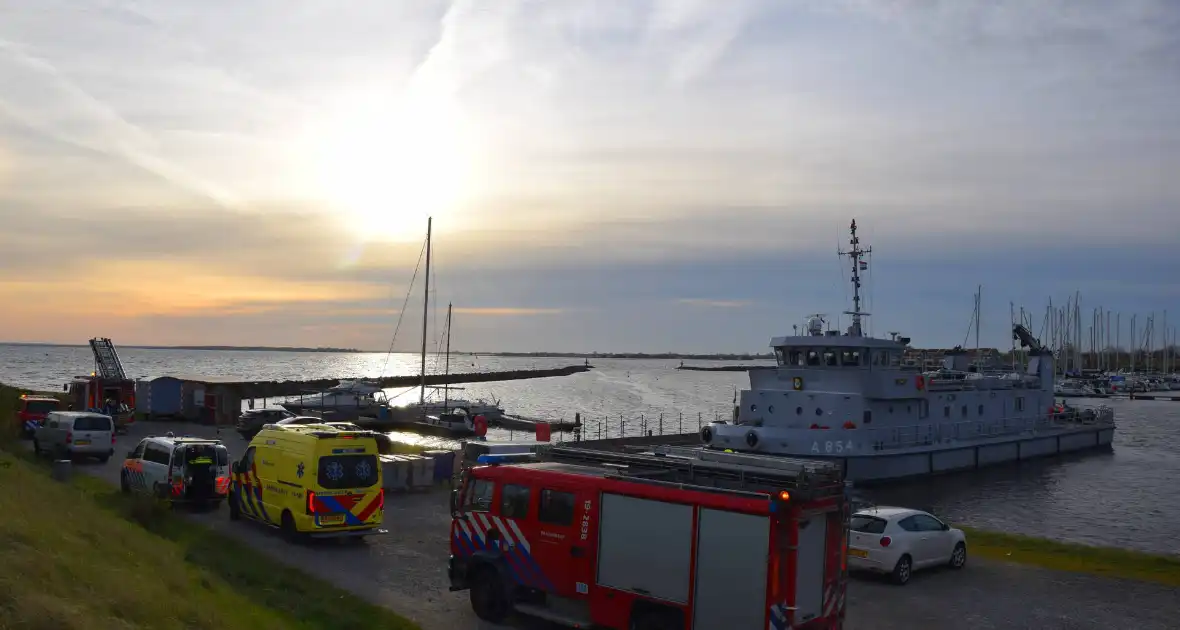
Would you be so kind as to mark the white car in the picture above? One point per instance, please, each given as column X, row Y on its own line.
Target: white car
column 898, row 541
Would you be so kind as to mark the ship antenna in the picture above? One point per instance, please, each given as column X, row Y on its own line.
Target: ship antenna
column 856, row 255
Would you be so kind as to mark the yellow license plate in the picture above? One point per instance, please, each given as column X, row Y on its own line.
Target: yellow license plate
column 858, row 553
column 83, row 442
column 332, row 519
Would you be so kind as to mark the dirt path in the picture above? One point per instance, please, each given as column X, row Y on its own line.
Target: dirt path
column 406, row 571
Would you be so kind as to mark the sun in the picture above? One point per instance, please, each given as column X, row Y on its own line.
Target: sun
column 386, row 163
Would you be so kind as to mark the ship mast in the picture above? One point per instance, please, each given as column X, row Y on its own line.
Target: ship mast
column 856, row 255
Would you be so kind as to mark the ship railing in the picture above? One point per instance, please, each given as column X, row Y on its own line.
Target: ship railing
column 941, row 432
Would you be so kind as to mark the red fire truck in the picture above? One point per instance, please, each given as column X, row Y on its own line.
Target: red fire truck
column 676, row 538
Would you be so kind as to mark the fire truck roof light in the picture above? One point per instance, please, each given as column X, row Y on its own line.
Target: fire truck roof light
column 502, row 458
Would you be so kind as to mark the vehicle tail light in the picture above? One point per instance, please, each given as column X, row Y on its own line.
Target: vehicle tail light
column 69, row 437
column 177, row 488
column 310, row 502
column 112, row 438
column 886, row 541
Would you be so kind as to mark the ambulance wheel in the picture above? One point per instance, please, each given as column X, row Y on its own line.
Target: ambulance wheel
column 235, row 511
column 290, row 534
column 488, row 599
column 903, row 571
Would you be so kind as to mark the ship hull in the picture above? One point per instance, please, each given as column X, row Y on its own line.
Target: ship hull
column 965, row 455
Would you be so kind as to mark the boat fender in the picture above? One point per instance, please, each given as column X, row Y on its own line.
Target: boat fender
column 481, row 425
column 707, row 435
column 752, row 439
column 920, row 382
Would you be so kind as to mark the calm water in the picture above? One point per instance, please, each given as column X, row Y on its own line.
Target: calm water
column 1128, row 498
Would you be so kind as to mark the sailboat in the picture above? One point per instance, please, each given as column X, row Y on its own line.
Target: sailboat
column 453, row 417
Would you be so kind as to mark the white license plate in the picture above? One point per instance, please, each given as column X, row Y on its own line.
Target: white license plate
column 332, row 519
column 83, row 442
column 858, row 553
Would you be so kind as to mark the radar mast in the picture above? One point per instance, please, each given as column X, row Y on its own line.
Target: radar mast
column 856, row 255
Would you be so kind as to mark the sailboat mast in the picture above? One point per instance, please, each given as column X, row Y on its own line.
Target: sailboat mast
column 447, row 369
column 425, row 314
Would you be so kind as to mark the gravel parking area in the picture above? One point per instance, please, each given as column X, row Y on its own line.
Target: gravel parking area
column 406, row 571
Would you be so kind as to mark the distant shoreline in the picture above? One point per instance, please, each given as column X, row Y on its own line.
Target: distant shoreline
column 530, row 355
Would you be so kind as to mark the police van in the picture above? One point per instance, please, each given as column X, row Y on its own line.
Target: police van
column 179, row 469
column 310, row 480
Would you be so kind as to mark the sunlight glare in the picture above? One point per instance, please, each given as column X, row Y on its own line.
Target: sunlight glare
column 386, row 164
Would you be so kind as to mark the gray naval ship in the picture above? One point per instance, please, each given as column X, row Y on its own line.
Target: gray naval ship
column 849, row 398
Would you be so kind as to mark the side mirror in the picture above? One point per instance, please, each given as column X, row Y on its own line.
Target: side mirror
column 235, row 467
column 129, row 454
column 945, row 527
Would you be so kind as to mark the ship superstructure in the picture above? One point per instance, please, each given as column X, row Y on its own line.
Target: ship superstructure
column 850, row 397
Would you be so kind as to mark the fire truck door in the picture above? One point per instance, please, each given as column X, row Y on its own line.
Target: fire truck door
column 563, row 547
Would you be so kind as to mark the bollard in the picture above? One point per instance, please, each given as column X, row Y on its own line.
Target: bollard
column 661, row 424
column 62, row 470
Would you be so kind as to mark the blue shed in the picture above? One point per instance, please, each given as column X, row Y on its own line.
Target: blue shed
column 167, row 399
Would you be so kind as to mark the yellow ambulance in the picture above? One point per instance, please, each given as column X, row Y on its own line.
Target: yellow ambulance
column 310, row 480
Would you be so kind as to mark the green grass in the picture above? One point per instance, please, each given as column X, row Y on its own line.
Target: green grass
column 81, row 556
column 1104, row 561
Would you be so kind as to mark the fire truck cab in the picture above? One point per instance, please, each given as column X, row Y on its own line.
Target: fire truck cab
column 672, row 539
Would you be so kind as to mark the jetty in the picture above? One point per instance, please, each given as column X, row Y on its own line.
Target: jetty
column 278, row 389
column 723, row 368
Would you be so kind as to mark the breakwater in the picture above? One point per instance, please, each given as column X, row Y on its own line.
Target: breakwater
column 279, row 389
column 724, row 368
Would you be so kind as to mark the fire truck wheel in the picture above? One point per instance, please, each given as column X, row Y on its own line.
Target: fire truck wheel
column 653, row 620
column 488, row 599
column 903, row 570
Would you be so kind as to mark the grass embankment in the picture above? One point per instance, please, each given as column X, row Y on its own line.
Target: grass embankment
column 82, row 556
column 1104, row 561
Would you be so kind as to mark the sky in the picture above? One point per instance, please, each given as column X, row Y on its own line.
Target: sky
column 612, row 175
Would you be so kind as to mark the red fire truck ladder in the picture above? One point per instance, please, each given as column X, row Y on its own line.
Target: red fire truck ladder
column 106, row 360
column 804, row 478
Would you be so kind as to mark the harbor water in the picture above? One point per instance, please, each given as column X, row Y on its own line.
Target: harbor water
column 1125, row 498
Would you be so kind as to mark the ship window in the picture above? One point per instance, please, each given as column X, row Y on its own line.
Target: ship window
column 850, row 358
column 770, row 409
column 894, row 359
column 830, row 357
column 946, row 412
column 868, row 418
column 981, row 410
column 779, row 356
column 753, row 407
column 798, row 411
column 797, row 357
column 819, row 412
column 812, row 357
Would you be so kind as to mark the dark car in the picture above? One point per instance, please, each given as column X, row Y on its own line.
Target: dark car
column 252, row 421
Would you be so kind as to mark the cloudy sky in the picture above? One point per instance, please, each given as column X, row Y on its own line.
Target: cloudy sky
column 603, row 175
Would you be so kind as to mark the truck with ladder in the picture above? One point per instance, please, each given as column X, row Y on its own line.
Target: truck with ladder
column 107, row 390
column 675, row 538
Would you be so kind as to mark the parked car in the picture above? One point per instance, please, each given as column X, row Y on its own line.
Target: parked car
column 898, row 541
column 251, row 422
column 75, row 433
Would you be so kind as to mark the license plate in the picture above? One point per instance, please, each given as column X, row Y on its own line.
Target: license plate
column 858, row 553
column 83, row 442
column 332, row 519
